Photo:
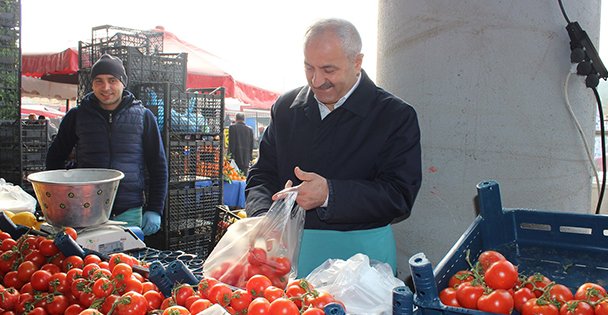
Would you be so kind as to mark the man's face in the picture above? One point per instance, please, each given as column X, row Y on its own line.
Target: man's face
column 108, row 90
column 330, row 73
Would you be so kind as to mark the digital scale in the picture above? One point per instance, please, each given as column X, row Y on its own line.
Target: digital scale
column 106, row 238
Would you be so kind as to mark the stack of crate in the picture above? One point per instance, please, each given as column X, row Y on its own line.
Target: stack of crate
column 34, row 146
column 10, row 93
column 191, row 125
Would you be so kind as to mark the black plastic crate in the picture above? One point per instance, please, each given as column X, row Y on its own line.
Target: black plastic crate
column 191, row 241
column 184, row 112
column 33, row 134
column 148, row 42
column 84, row 82
column 208, row 160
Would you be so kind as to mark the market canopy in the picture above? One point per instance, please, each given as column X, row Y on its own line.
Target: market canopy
column 204, row 71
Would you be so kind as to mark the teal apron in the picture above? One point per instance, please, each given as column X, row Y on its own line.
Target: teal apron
column 131, row 216
column 319, row 245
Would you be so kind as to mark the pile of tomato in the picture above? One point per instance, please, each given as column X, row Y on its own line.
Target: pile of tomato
column 37, row 279
column 493, row 284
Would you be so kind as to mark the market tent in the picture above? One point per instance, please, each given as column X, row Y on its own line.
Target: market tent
column 57, row 67
column 33, row 87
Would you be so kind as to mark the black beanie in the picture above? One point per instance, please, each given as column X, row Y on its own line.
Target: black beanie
column 110, row 65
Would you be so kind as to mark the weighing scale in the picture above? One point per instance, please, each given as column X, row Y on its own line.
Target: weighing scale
column 106, row 238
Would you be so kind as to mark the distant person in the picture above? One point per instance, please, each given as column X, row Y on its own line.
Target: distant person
column 31, row 119
column 240, row 143
column 51, row 130
column 112, row 129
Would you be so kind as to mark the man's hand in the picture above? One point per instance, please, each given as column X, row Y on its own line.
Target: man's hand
column 312, row 192
column 150, row 222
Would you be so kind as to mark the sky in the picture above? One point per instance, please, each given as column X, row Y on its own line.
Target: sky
column 260, row 40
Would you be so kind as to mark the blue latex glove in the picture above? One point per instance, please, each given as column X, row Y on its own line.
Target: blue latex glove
column 150, row 222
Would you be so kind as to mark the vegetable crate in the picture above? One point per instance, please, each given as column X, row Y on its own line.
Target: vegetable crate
column 225, row 217
column 568, row 248
column 189, row 220
column 190, row 160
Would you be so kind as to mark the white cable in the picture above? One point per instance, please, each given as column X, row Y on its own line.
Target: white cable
column 580, row 129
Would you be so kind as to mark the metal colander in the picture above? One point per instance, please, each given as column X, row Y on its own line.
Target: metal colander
column 78, row 197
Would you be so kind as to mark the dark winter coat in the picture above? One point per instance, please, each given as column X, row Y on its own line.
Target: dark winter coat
column 240, row 144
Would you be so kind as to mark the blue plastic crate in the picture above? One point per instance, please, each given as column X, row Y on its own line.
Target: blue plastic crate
column 569, row 248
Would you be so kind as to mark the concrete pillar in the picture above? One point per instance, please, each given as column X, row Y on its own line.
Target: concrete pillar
column 487, row 80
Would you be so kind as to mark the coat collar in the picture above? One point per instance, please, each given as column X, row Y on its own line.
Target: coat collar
column 358, row 102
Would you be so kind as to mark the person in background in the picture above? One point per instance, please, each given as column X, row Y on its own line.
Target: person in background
column 349, row 148
column 31, row 119
column 51, row 130
column 240, row 143
column 112, row 129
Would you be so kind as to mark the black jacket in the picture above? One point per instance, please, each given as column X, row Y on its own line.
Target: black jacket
column 126, row 139
column 368, row 149
column 240, row 144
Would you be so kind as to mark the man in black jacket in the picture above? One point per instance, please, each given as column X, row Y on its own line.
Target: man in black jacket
column 349, row 148
column 111, row 129
column 240, row 143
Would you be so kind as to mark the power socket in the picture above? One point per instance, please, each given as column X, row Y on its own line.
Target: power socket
column 580, row 40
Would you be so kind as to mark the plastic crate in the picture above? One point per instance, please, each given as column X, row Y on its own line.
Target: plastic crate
column 188, row 157
column 198, row 111
column 225, row 218
column 568, row 248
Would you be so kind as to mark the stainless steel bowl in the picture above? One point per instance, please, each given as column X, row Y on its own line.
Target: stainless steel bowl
column 78, row 197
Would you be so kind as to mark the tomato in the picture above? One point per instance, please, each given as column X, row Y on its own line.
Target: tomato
column 468, row 294
column 7, row 259
column 539, row 307
column 314, row 311
column 72, row 274
column 8, row 244
column 272, row 293
column 601, row 308
column 148, row 286
column 487, row 258
column 11, row 280
column 283, row 306
column 121, row 271
column 8, row 298
column 460, row 277
column 102, row 273
column 447, row 296
column 78, row 286
column 36, row 257
column 154, row 299
column 4, row 235
column 92, row 259
column 86, row 298
column 90, row 311
column 199, row 306
column 73, row 309
column 281, row 265
column 40, row 280
column 181, row 293
column 537, row 283
column 131, row 303
column 220, row 294
column 256, row 256
column 107, row 304
column 498, row 301
column 259, row 306
column 37, row 311
column 52, row 268
column 25, row 271
column 521, row 296
column 71, row 232
column 240, row 300
column 233, row 275
column 257, row 284
column 501, row 275
column 204, row 285
column 102, row 287
column 176, row 310
column 132, row 284
column 590, row 292
column 26, row 300
column 118, row 258
column 560, row 294
column 575, row 307
column 72, row 262
column 27, row 288
column 319, row 300
column 57, row 304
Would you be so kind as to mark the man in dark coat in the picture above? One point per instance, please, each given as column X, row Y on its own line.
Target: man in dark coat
column 112, row 129
column 240, row 143
column 349, row 148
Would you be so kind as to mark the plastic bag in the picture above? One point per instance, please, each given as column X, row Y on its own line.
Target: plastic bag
column 267, row 245
column 15, row 199
column 370, row 292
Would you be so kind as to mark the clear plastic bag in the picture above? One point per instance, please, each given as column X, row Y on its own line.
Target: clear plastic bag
column 15, row 199
column 370, row 292
column 267, row 245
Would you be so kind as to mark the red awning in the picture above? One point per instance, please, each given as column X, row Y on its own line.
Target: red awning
column 59, row 67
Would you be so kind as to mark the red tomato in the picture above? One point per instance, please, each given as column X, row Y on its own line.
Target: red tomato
column 537, row 283
column 72, row 262
column 90, row 311
column 233, row 275
column 240, row 300
column 86, row 299
column 256, row 256
column 560, row 293
column 4, row 235
column 590, row 292
column 121, row 271
column 314, row 311
column 37, row 311
column 220, row 294
column 7, row 259
column 102, row 287
column 498, row 301
column 319, row 301
column 182, row 293
column 281, row 265
column 24, row 299
column 40, row 280
column 154, row 299
column 460, row 277
column 204, row 285
column 199, row 306
column 501, row 275
column 92, row 259
column 48, row 248
column 108, row 303
column 601, row 308
column 8, row 298
column 78, row 287
column 272, row 293
column 11, row 280
column 176, row 310
column 8, row 244
column 118, row 258
column 148, row 286
column 52, row 268
column 575, row 307
column 74, row 309
column 89, row 269
column 257, row 284
column 131, row 303
column 259, row 306
column 72, row 274
column 57, row 304
column 521, row 296
column 36, row 257
column 487, row 258
column 132, row 284
column 467, row 295
column 71, row 232
column 25, row 270
column 447, row 296
column 283, row 306
column 539, row 307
